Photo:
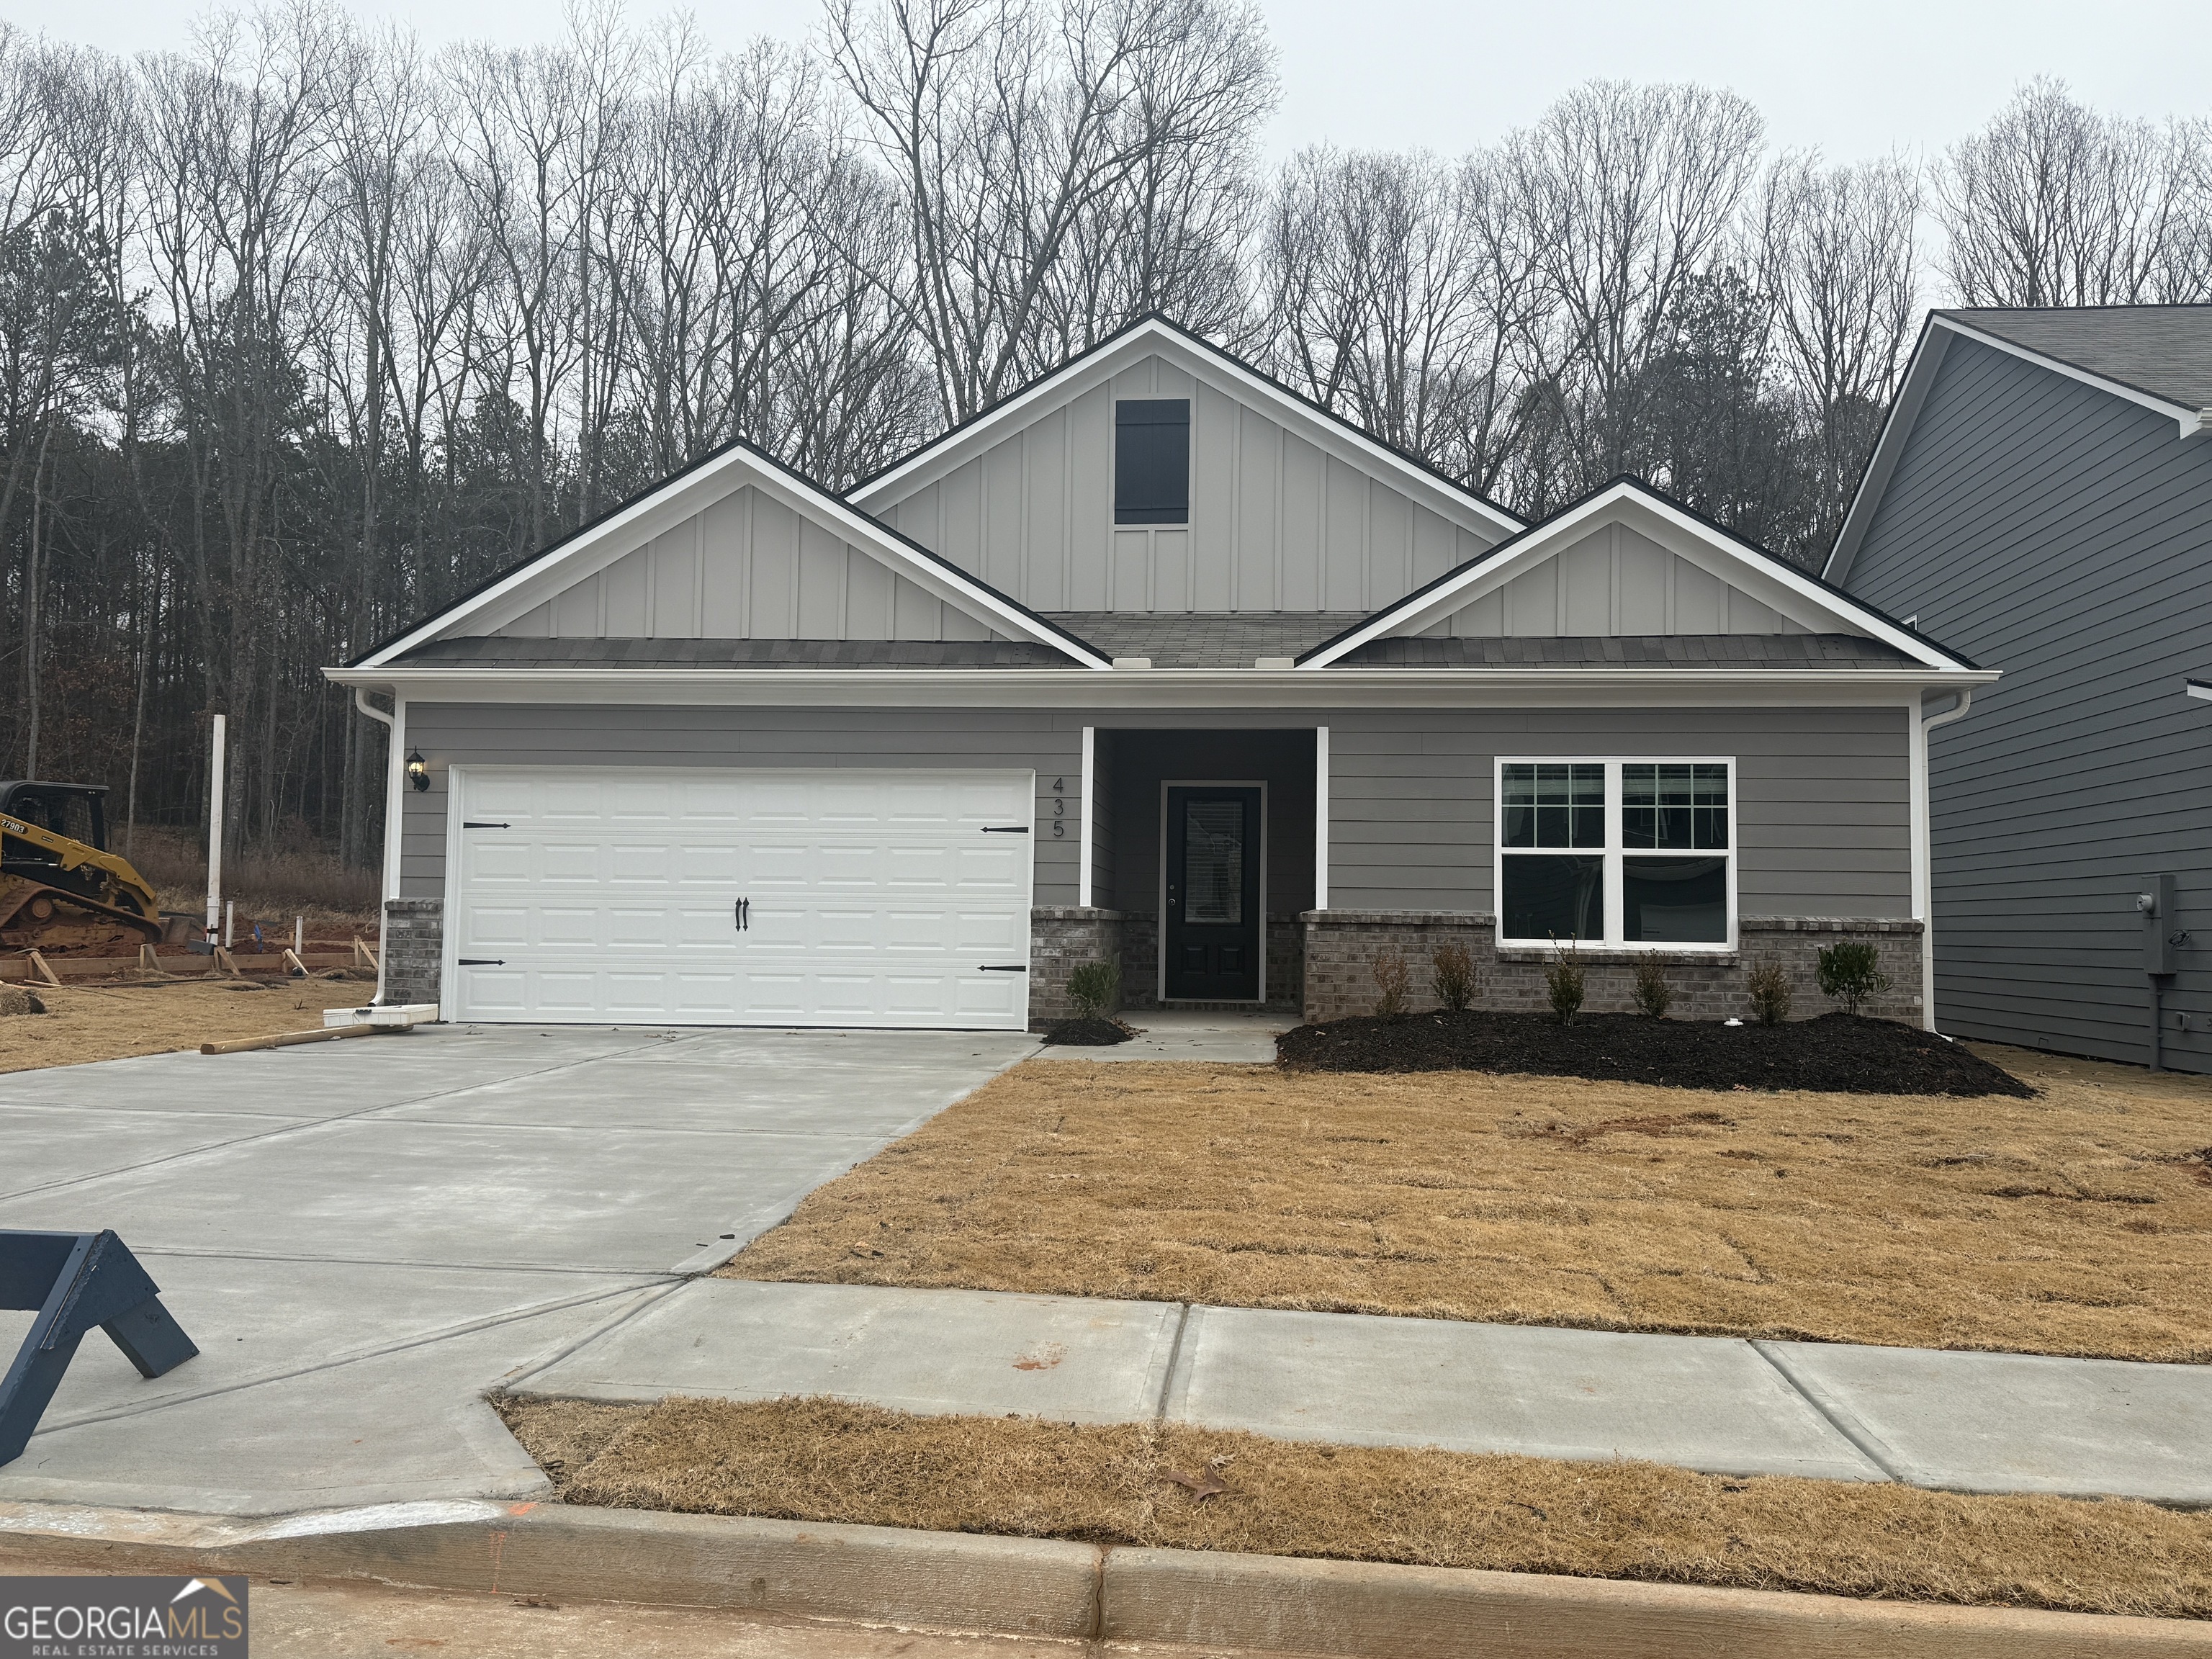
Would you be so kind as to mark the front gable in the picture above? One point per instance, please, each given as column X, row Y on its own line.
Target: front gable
column 738, row 548
column 1627, row 564
column 1289, row 508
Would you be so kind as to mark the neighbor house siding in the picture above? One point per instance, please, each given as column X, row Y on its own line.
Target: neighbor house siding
column 1823, row 800
column 2061, row 534
column 1276, row 524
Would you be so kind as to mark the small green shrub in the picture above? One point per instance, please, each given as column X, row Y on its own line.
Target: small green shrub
column 1654, row 995
column 1770, row 996
column 1094, row 989
column 1563, row 981
column 1455, row 976
column 1851, row 973
column 1394, row 977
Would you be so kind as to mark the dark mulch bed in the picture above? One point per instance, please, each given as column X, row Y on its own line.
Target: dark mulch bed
column 1842, row 1053
column 1087, row 1033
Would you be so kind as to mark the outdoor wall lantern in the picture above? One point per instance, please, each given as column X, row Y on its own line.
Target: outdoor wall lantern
column 418, row 772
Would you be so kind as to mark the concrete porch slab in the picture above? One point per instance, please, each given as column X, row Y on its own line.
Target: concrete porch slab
column 1185, row 1034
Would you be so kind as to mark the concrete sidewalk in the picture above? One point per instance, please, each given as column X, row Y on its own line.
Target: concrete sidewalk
column 1967, row 1422
column 364, row 1237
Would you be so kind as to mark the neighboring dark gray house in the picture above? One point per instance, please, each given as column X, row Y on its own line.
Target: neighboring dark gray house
column 2042, row 499
column 1154, row 660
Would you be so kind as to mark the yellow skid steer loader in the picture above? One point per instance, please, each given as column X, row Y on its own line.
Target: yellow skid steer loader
column 61, row 890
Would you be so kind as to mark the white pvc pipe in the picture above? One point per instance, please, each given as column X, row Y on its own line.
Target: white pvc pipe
column 214, row 831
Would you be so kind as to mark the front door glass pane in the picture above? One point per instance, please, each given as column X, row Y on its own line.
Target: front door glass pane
column 1213, row 861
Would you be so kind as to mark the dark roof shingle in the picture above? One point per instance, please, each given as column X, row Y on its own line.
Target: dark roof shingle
column 1204, row 639
column 2166, row 350
column 1632, row 651
column 500, row 650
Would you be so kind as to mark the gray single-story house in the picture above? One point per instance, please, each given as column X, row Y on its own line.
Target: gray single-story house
column 2042, row 496
column 1155, row 660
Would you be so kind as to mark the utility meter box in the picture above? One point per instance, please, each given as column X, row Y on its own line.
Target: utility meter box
column 2161, row 906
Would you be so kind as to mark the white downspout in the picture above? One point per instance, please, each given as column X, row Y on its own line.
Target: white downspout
column 395, row 799
column 1924, row 906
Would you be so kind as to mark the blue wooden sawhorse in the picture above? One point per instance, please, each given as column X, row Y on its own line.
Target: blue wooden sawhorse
column 76, row 1282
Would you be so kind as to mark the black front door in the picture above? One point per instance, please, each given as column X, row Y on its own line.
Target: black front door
column 1211, row 933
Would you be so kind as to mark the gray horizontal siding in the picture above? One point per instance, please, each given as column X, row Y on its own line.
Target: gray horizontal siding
column 1823, row 800
column 2059, row 533
column 1823, row 821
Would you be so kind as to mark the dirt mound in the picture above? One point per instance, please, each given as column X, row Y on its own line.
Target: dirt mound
column 1842, row 1053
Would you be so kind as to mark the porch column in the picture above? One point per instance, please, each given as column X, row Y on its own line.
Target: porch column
column 1320, row 818
column 1083, row 874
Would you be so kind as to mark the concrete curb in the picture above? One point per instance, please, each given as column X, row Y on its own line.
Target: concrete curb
column 958, row 1581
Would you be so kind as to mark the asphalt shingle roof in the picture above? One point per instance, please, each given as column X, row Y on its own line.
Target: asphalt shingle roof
column 2166, row 350
column 497, row 651
column 1633, row 651
column 1204, row 639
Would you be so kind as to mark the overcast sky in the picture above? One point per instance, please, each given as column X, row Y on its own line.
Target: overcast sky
column 1850, row 80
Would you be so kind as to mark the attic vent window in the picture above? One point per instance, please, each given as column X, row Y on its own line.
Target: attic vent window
column 1151, row 460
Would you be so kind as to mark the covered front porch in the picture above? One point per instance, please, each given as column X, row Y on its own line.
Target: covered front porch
column 1200, row 856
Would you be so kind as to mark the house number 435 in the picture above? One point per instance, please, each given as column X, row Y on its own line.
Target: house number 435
column 1060, row 808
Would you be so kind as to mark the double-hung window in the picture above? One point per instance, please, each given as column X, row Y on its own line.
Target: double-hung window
column 1631, row 853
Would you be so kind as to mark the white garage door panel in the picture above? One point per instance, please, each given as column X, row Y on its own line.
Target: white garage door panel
column 592, row 896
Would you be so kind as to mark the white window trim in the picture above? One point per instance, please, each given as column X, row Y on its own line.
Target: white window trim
column 1114, row 464
column 1615, row 907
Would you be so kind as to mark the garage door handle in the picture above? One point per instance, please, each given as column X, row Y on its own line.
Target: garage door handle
column 471, row 823
column 1005, row 829
column 741, row 913
column 483, row 961
column 1002, row 968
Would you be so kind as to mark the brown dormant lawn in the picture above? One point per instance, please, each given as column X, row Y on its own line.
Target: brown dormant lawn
column 2079, row 1221
column 109, row 1022
column 822, row 1461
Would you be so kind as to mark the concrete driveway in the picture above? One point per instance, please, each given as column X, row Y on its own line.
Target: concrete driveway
column 362, row 1237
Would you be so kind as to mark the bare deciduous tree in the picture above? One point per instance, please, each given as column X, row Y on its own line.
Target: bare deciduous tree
column 2055, row 204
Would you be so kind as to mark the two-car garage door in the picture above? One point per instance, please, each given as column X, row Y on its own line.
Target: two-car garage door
column 708, row 898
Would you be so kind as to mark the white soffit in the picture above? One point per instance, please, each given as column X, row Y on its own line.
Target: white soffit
column 1772, row 583
column 592, row 550
column 1203, row 360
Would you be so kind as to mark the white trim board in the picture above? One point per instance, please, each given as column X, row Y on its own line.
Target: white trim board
column 1095, row 694
column 1203, row 360
column 1771, row 581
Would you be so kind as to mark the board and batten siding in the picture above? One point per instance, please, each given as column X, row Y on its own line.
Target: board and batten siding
column 746, row 568
column 1613, row 582
column 1823, row 818
column 2063, row 535
column 1276, row 523
column 1822, row 800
